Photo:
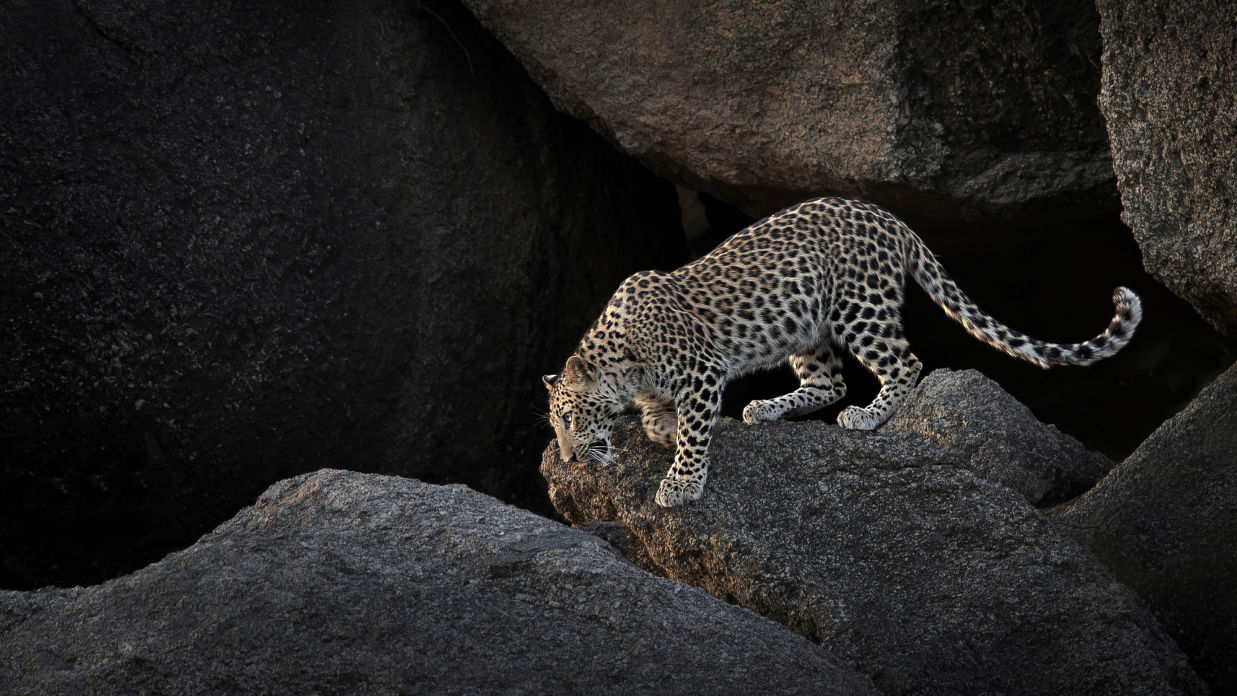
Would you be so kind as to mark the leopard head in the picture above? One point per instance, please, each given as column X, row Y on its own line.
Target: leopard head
column 582, row 412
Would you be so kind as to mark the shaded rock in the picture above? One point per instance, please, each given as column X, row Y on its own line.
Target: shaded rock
column 1164, row 522
column 1168, row 84
column 935, row 109
column 340, row 582
column 922, row 575
column 977, row 422
column 246, row 239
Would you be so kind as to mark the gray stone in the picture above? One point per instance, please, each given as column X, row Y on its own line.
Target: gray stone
column 1164, row 522
column 920, row 574
column 935, row 109
column 338, row 582
column 245, row 240
column 1168, row 84
column 979, row 423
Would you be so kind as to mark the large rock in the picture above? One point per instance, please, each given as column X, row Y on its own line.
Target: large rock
column 245, row 239
column 1164, row 522
column 1168, row 84
column 921, row 574
column 338, row 582
column 937, row 109
column 981, row 424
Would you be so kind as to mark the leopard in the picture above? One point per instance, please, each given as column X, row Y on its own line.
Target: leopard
column 803, row 286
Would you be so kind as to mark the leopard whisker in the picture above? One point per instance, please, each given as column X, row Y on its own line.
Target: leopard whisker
column 601, row 456
column 542, row 416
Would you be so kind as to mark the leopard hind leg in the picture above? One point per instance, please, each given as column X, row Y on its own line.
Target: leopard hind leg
column 820, row 384
column 884, row 351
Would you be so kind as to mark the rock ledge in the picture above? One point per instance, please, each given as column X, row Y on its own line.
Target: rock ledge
column 917, row 572
column 336, row 582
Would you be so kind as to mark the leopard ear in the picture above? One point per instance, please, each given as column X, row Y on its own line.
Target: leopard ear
column 579, row 372
column 549, row 380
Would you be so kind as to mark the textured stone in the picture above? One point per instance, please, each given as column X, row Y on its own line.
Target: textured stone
column 1168, row 83
column 1164, row 522
column 936, row 108
column 920, row 574
column 979, row 423
column 244, row 240
column 338, row 582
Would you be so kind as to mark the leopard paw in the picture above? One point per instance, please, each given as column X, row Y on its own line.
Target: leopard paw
column 665, row 438
column 759, row 411
column 858, row 418
column 674, row 492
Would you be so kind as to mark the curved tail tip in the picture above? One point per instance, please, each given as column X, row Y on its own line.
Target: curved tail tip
column 1128, row 304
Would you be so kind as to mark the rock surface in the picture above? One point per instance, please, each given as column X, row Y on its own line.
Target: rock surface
column 770, row 103
column 1164, row 522
column 244, row 238
column 922, row 575
column 1168, row 84
column 338, row 582
column 976, row 421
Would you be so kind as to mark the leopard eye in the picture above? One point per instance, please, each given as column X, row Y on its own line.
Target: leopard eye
column 568, row 418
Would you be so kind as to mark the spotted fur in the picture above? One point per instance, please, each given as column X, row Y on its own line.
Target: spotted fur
column 822, row 275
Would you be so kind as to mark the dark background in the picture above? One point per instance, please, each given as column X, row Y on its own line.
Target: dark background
column 247, row 240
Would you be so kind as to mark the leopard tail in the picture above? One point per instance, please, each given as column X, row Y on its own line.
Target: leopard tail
column 935, row 280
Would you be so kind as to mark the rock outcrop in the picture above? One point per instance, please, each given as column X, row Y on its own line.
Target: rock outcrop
column 338, row 582
column 1164, row 522
column 919, row 573
column 1168, row 84
column 245, row 238
column 976, row 421
column 766, row 104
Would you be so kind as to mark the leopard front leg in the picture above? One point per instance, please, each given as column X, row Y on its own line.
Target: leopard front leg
column 698, row 414
column 658, row 418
